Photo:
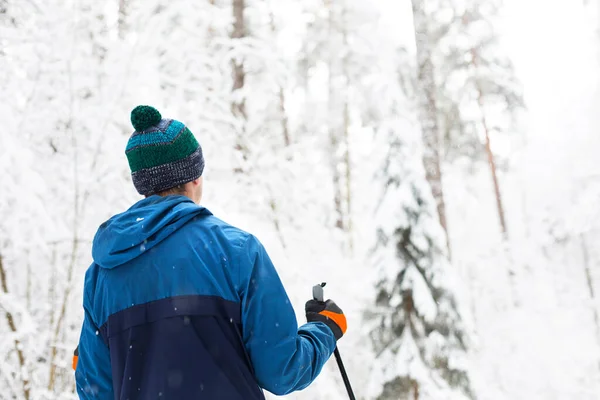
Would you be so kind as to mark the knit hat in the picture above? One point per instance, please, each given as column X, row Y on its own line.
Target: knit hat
column 162, row 153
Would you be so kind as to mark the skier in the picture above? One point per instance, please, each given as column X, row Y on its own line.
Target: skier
column 180, row 305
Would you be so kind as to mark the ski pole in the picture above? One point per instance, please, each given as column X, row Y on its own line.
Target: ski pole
column 318, row 295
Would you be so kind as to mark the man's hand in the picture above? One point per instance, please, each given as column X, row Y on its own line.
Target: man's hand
column 329, row 313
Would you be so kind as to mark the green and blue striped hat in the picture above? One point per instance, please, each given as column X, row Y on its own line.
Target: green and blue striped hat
column 162, row 153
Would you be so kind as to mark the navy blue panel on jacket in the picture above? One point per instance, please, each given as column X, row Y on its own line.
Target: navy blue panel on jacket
column 185, row 347
column 180, row 305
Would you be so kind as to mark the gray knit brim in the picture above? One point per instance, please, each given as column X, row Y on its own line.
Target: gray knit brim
column 154, row 180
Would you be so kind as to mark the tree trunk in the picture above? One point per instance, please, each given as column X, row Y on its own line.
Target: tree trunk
column 283, row 118
column 287, row 141
column 239, row 31
column 238, row 106
column 211, row 28
column 339, row 120
column 334, row 122
column 428, row 110
column 28, row 285
column 13, row 328
column 490, row 154
column 121, row 22
column 275, row 214
column 337, row 190
column 415, row 387
column 408, row 304
column 346, row 117
column 285, row 130
column 590, row 286
column 492, row 163
column 348, row 169
column 58, row 329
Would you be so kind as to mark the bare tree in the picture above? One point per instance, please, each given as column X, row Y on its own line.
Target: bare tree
column 238, row 107
column 334, row 126
column 474, row 73
column 488, row 145
column 58, row 329
column 428, row 108
column 282, row 114
column 12, row 325
column 339, row 116
column 590, row 286
column 238, row 104
column 122, row 17
column 347, row 163
column 492, row 86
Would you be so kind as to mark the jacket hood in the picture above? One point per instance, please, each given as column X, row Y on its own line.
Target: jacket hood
column 147, row 223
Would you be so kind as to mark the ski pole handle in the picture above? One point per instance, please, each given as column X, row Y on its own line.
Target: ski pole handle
column 318, row 294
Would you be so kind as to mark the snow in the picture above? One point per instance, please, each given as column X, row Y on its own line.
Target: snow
column 540, row 319
column 524, row 302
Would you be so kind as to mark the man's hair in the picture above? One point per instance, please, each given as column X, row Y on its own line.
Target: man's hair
column 179, row 189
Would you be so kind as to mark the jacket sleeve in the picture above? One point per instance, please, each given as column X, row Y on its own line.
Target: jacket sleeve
column 93, row 373
column 285, row 358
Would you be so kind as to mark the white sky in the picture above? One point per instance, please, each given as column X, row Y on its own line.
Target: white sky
column 556, row 51
column 553, row 46
column 552, row 43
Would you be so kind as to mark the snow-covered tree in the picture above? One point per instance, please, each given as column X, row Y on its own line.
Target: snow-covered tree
column 334, row 72
column 59, row 178
column 417, row 330
column 417, row 333
column 430, row 28
column 480, row 96
column 20, row 235
column 467, row 90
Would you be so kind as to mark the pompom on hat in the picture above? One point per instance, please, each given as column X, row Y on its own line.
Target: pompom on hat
column 162, row 153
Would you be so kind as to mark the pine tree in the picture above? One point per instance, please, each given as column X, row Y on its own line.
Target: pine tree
column 418, row 335
column 417, row 330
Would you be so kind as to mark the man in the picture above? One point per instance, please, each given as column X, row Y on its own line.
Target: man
column 179, row 304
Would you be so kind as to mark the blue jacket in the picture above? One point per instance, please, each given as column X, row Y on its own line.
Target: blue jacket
column 180, row 305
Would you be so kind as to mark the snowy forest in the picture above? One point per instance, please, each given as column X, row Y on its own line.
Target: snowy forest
column 434, row 161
